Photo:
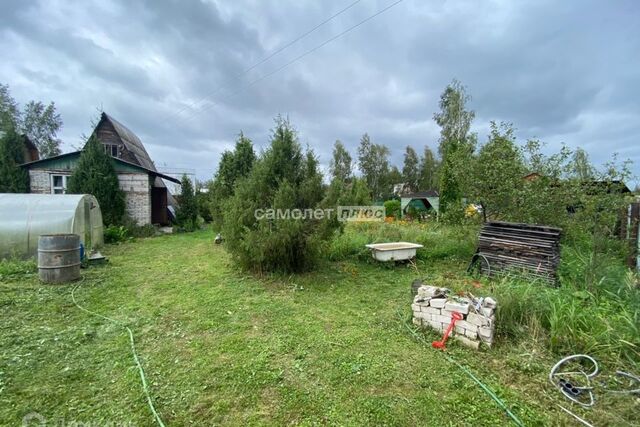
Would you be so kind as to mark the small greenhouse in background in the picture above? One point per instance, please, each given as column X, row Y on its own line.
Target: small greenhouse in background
column 24, row 217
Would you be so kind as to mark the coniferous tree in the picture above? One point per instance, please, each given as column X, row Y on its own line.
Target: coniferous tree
column 233, row 166
column 286, row 179
column 96, row 175
column 13, row 179
column 187, row 214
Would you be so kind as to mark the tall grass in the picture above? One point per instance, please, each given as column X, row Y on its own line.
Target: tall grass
column 440, row 242
column 595, row 310
column 16, row 267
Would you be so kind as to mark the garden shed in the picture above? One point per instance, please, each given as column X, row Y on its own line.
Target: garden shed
column 421, row 200
column 24, row 217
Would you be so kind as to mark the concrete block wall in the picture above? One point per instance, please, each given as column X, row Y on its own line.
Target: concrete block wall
column 136, row 187
column 433, row 307
column 137, row 191
column 40, row 180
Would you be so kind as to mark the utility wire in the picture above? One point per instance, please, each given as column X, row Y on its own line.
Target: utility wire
column 271, row 55
column 297, row 58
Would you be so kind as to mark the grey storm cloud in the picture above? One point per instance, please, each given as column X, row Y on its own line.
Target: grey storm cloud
column 174, row 71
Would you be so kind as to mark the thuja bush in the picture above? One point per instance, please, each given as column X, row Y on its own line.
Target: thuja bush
column 285, row 178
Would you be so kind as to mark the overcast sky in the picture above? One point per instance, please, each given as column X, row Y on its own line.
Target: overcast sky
column 172, row 71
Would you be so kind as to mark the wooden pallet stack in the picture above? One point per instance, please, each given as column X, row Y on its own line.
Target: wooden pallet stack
column 519, row 248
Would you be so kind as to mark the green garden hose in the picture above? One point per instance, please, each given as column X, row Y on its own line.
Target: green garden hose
column 145, row 388
column 484, row 387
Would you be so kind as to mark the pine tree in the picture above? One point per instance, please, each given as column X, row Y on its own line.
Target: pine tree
column 13, row 179
column 187, row 214
column 283, row 178
column 96, row 175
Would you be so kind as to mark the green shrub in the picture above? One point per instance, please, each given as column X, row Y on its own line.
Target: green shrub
column 115, row 234
column 392, row 208
column 284, row 179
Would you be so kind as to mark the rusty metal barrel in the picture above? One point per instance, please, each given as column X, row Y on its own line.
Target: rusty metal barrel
column 59, row 258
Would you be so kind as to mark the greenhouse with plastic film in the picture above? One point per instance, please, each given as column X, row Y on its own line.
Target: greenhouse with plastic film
column 24, row 217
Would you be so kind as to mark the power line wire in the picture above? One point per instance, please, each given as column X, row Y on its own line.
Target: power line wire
column 271, row 55
column 297, row 58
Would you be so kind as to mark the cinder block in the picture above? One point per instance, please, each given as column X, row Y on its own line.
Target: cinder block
column 486, row 312
column 438, row 302
column 430, row 310
column 487, row 341
column 424, row 316
column 479, row 320
column 489, row 302
column 435, row 325
column 427, row 291
column 415, row 307
column 442, row 319
column 468, row 342
column 471, row 333
column 485, row 332
column 467, row 325
column 462, row 308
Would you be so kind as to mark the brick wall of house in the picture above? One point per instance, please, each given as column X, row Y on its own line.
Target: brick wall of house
column 136, row 187
column 137, row 190
column 40, row 180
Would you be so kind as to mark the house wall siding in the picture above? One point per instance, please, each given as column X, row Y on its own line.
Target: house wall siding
column 136, row 187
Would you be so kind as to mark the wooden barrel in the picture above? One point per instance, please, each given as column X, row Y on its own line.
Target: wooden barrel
column 59, row 258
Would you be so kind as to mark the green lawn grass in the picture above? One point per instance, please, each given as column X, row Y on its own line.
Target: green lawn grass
column 223, row 347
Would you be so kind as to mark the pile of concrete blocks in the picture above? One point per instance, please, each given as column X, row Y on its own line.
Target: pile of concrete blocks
column 432, row 307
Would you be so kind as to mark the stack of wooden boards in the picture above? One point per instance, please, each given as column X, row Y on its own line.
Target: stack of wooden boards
column 505, row 247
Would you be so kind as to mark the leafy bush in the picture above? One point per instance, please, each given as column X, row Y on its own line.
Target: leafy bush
column 392, row 208
column 115, row 234
column 134, row 230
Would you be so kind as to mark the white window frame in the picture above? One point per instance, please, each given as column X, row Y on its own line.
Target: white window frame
column 109, row 149
column 65, row 179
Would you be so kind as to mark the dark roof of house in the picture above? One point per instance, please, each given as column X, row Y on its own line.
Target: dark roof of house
column 27, row 141
column 131, row 142
column 421, row 194
column 152, row 172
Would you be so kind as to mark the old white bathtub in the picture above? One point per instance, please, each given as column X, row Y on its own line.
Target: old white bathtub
column 396, row 251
